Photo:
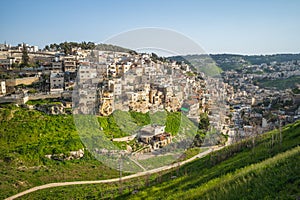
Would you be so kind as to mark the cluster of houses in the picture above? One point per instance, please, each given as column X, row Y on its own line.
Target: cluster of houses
column 255, row 109
column 123, row 81
column 273, row 71
column 100, row 82
column 135, row 82
column 53, row 72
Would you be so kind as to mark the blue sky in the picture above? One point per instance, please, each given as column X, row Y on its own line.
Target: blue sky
column 244, row 27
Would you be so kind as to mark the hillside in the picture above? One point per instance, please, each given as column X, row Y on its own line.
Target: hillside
column 200, row 63
column 27, row 136
column 110, row 47
column 233, row 61
column 66, row 47
column 280, row 84
column 266, row 169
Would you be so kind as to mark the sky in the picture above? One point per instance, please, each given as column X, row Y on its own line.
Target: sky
column 218, row 26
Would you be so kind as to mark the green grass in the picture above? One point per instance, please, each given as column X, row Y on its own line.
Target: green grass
column 159, row 117
column 266, row 179
column 239, row 171
column 43, row 101
column 194, row 151
column 111, row 125
column 26, row 136
column 267, row 170
column 122, row 123
column 157, row 161
column 140, row 119
column 173, row 122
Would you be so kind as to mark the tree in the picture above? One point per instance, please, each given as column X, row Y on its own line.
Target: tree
column 53, row 46
column 25, row 57
column 198, row 140
column 66, row 47
column 204, row 121
column 47, row 48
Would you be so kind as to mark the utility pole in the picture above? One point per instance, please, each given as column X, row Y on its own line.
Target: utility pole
column 280, row 129
column 120, row 173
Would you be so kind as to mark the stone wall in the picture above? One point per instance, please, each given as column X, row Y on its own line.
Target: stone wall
column 44, row 96
column 19, row 81
column 16, row 100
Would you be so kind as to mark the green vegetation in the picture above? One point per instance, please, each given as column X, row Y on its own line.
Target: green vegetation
column 110, row 47
column 43, row 101
column 25, row 57
column 236, row 62
column 155, row 58
column 173, row 122
column 167, row 159
column 157, row 161
column 66, row 47
column 264, row 170
column 230, row 61
column 204, row 122
column 111, row 128
column 280, row 84
column 296, row 90
column 26, row 136
column 200, row 63
column 255, row 181
column 191, row 152
column 122, row 123
column 140, row 119
column 233, row 62
column 159, row 117
column 257, row 60
column 267, row 170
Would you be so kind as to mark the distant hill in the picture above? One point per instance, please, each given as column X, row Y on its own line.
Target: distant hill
column 110, row 47
column 66, row 47
column 234, row 61
column 201, row 63
column 230, row 61
column 257, row 60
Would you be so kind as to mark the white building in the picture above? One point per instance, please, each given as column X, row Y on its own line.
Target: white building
column 2, row 88
column 87, row 73
column 56, row 82
column 147, row 132
column 7, row 62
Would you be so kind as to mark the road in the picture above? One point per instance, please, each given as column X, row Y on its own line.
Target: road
column 52, row 185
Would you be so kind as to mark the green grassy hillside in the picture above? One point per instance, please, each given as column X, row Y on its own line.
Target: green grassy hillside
column 26, row 136
column 267, row 169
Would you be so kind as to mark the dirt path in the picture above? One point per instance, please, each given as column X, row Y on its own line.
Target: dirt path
column 52, row 185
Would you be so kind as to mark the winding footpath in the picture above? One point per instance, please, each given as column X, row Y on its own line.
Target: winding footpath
column 152, row 171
